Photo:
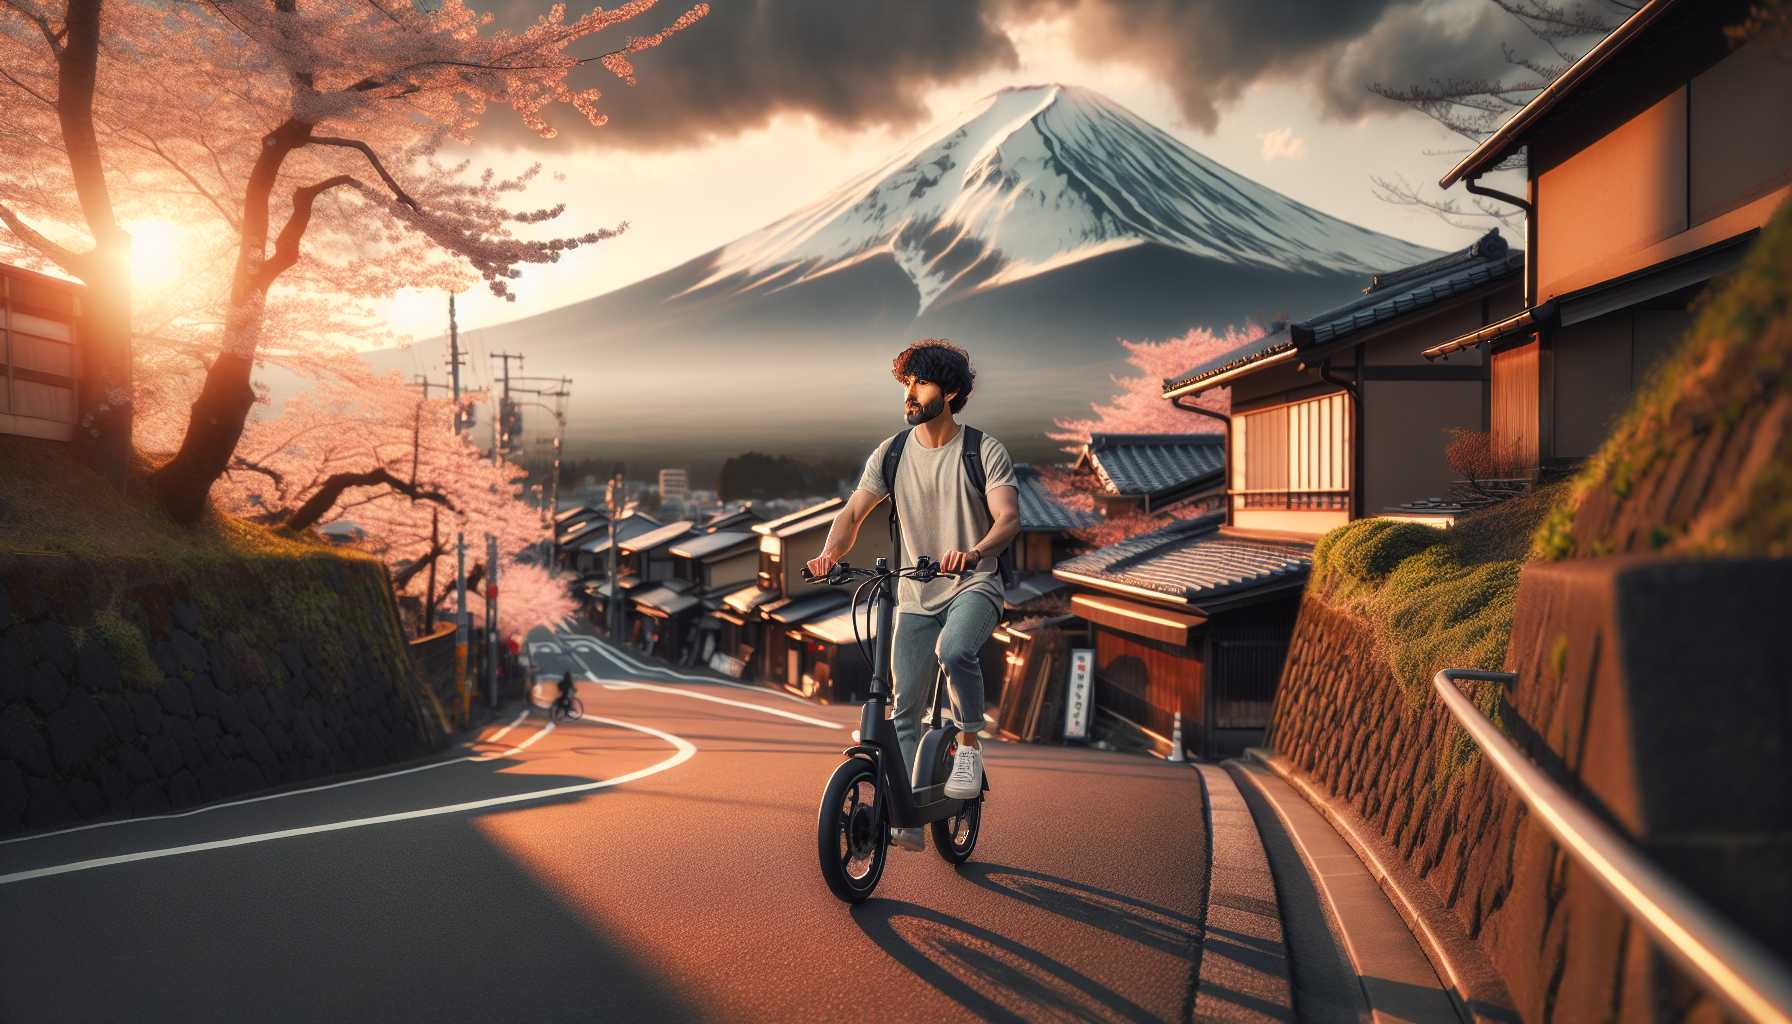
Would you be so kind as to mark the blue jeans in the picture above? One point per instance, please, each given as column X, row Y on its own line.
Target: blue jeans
column 922, row 643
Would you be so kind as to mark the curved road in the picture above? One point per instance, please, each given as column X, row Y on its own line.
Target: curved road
column 655, row 860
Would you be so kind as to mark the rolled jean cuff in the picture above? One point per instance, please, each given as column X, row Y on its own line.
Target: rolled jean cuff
column 977, row 726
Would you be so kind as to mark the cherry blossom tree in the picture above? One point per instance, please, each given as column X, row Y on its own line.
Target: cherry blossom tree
column 310, row 135
column 365, row 449
column 1139, row 408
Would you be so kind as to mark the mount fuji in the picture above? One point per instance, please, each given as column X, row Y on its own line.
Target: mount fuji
column 1034, row 230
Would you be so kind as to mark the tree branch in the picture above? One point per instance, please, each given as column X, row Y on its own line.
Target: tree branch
column 75, row 263
column 410, row 572
column 286, row 247
column 326, row 496
column 373, row 159
column 42, row 21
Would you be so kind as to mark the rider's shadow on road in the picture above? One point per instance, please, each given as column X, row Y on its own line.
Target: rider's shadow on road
column 1163, row 930
column 991, row 976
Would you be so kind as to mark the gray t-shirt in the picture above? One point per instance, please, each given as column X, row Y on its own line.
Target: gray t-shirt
column 939, row 512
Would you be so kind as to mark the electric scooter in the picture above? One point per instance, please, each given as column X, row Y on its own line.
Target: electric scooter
column 872, row 791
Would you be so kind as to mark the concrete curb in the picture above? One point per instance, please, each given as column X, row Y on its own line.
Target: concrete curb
column 1473, row 984
column 1244, row 972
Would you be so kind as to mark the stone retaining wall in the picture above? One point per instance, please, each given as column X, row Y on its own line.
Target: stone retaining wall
column 154, row 694
column 1620, row 664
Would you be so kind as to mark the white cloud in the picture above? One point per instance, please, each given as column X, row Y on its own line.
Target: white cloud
column 1283, row 144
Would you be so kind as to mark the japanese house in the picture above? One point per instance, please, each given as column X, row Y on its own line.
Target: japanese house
column 1190, row 618
column 39, row 321
column 1338, row 416
column 1139, row 473
column 714, row 565
column 1045, row 539
column 1651, row 163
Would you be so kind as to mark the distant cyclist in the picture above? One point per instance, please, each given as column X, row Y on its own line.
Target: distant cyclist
column 564, row 701
column 941, row 514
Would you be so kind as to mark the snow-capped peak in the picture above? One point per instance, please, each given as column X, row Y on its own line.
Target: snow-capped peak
column 1037, row 177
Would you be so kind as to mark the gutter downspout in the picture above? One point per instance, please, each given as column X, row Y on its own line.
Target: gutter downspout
column 1356, row 433
column 1227, row 420
column 1530, row 229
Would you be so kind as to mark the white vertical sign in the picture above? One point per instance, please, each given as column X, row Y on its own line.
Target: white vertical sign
column 1076, row 705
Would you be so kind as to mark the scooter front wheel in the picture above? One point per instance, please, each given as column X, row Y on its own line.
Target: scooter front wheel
column 851, row 836
column 956, row 837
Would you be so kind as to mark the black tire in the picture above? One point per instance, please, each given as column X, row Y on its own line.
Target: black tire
column 850, row 839
column 566, row 712
column 575, row 710
column 956, row 837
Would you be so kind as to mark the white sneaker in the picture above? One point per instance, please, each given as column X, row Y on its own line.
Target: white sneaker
column 966, row 781
column 909, row 838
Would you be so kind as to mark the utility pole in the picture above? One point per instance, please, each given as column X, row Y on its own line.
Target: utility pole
column 613, row 607
column 491, row 615
column 502, row 429
column 460, row 538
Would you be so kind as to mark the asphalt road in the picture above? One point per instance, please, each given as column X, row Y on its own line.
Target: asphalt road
column 655, row 860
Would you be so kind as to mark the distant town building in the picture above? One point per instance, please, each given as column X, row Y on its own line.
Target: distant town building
column 675, row 486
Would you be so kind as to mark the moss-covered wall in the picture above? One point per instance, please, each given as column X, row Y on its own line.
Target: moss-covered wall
column 141, row 685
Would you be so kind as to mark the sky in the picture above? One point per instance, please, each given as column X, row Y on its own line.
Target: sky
column 766, row 105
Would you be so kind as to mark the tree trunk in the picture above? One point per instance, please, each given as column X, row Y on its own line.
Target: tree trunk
column 103, row 393
column 213, row 429
column 103, row 388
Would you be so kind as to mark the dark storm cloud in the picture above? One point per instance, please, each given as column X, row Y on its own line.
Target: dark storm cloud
column 871, row 63
column 848, row 63
column 1209, row 51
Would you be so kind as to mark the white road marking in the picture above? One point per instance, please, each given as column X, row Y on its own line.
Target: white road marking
column 629, row 662
column 465, row 758
column 633, row 685
column 684, row 751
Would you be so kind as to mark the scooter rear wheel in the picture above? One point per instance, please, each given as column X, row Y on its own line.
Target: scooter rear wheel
column 956, row 837
column 852, row 840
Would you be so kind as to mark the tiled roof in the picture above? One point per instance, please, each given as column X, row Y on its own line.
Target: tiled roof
column 704, row 545
column 574, row 512
column 654, row 538
column 667, row 600
column 627, row 528
column 1389, row 296
column 772, row 526
column 725, row 520
column 1194, row 560
column 1150, row 464
column 1031, row 588
column 748, row 598
column 1039, row 510
column 837, row 627
column 583, row 530
column 800, row 609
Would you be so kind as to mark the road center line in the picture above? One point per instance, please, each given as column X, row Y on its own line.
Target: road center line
column 684, row 751
column 632, row 664
column 631, row 684
column 463, row 759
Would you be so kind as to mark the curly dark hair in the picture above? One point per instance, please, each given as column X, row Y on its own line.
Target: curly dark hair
column 942, row 362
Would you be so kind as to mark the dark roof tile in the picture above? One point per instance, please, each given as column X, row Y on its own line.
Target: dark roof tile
column 1195, row 561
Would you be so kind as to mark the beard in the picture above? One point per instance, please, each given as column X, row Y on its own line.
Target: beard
column 918, row 416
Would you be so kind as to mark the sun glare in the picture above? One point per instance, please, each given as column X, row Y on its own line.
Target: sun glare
column 157, row 254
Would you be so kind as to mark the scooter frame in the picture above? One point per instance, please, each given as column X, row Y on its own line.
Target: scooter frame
column 909, row 804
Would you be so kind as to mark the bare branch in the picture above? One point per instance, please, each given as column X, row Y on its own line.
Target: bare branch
column 373, row 159
column 331, row 492
column 73, row 262
column 286, row 247
column 37, row 16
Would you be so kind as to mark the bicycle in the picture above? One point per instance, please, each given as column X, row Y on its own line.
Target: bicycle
column 871, row 792
column 566, row 708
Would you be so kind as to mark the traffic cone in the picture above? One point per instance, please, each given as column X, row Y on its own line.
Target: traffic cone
column 1176, row 740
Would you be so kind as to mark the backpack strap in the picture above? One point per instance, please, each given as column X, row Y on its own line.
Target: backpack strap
column 973, row 471
column 892, row 458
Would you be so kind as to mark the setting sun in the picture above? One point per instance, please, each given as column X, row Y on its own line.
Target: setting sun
column 156, row 253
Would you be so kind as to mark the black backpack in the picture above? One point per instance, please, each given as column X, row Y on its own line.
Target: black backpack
column 973, row 471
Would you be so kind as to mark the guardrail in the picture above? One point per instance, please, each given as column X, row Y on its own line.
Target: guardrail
column 1734, row 966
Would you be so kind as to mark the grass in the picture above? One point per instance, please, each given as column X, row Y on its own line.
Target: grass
column 111, row 568
column 1433, row 598
column 1736, row 361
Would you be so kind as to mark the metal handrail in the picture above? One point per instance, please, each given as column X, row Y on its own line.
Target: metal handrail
column 1733, row 965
